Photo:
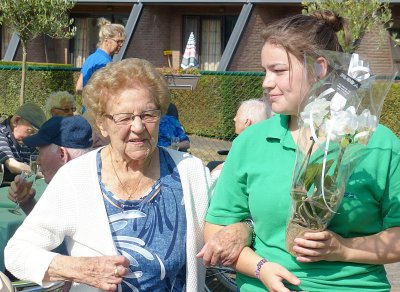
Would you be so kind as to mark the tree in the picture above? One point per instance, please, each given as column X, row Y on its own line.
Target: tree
column 362, row 16
column 31, row 18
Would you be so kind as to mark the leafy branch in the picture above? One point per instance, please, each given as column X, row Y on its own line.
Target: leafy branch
column 362, row 15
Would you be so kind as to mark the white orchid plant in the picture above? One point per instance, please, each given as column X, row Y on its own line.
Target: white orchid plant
column 335, row 126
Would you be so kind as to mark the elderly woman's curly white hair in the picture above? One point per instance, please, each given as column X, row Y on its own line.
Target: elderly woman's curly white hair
column 55, row 100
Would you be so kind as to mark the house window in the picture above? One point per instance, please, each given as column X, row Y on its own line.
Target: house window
column 5, row 39
column 212, row 34
column 86, row 37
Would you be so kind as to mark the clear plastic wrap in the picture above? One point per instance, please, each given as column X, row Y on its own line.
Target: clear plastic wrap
column 335, row 123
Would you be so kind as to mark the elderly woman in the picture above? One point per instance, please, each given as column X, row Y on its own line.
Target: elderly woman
column 61, row 103
column 131, row 213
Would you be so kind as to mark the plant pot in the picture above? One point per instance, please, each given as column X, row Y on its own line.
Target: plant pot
column 182, row 81
column 294, row 230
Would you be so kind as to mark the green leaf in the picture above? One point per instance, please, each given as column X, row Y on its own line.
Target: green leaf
column 313, row 173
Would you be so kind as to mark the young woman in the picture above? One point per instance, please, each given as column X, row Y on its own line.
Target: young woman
column 111, row 39
column 256, row 182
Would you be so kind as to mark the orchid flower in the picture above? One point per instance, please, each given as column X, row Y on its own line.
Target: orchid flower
column 366, row 125
column 340, row 124
column 319, row 109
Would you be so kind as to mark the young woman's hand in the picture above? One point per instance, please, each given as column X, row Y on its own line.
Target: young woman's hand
column 272, row 275
column 317, row 246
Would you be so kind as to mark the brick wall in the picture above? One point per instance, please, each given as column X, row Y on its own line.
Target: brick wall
column 44, row 49
column 379, row 54
column 247, row 56
column 35, row 50
column 152, row 35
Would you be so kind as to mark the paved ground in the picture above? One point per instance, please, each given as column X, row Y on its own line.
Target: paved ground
column 393, row 271
column 206, row 148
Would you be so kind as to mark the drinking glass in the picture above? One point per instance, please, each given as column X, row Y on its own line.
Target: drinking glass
column 34, row 167
column 1, row 173
column 175, row 143
column 29, row 177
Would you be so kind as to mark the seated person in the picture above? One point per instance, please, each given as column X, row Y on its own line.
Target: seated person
column 250, row 112
column 14, row 154
column 59, row 140
column 172, row 111
column 170, row 127
column 61, row 103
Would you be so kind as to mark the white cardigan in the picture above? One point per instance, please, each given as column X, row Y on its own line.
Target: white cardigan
column 72, row 208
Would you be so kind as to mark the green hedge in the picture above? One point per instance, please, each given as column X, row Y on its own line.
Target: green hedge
column 209, row 109
column 390, row 116
column 206, row 111
column 41, row 80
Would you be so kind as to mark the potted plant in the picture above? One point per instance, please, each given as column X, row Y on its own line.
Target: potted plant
column 335, row 125
column 181, row 78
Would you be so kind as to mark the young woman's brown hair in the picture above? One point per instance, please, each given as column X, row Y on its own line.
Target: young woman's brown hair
column 301, row 34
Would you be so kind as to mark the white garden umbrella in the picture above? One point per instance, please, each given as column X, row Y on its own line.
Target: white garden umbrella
column 190, row 56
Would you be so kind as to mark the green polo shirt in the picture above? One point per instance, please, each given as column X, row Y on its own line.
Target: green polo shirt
column 256, row 181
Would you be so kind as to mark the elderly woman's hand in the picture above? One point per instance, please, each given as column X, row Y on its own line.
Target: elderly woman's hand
column 21, row 191
column 104, row 272
column 317, row 246
column 224, row 247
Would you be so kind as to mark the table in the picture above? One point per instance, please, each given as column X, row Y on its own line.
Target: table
column 10, row 222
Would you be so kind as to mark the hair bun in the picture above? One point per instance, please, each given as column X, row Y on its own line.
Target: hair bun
column 330, row 18
column 102, row 22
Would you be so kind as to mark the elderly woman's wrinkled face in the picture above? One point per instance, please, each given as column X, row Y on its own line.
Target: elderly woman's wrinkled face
column 135, row 138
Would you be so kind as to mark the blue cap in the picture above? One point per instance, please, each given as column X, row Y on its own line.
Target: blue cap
column 70, row 132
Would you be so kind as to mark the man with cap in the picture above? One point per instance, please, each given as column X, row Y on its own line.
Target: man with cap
column 59, row 140
column 13, row 153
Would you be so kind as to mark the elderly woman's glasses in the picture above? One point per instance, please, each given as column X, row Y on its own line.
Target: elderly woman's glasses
column 66, row 110
column 123, row 119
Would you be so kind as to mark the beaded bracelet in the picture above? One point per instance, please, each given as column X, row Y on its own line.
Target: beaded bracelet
column 249, row 222
column 259, row 266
